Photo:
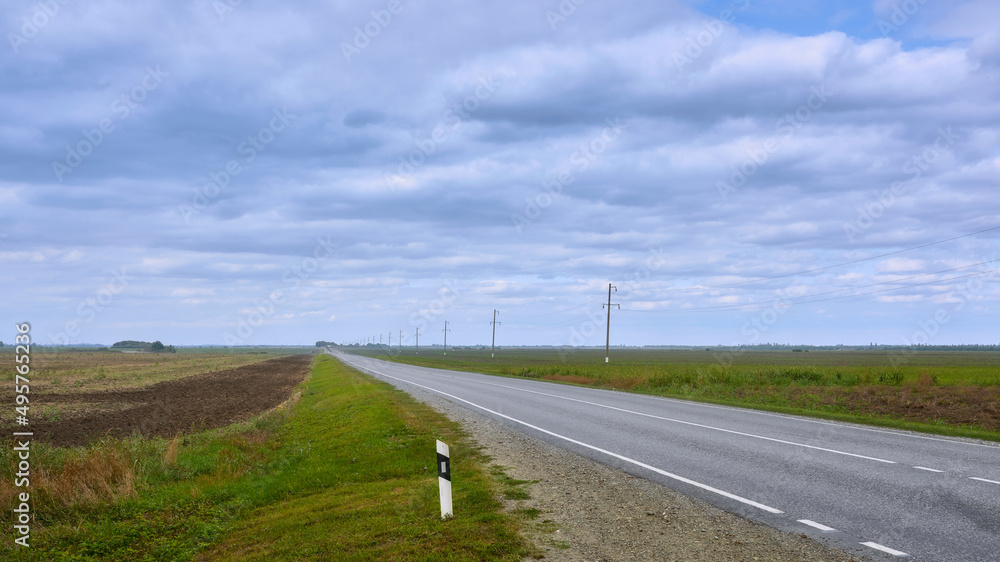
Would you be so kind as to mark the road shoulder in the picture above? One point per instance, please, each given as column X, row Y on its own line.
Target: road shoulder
column 589, row 511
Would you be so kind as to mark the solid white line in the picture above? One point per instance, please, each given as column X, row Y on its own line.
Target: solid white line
column 984, row 480
column 691, row 423
column 927, row 469
column 692, row 403
column 816, row 525
column 885, row 549
column 706, row 487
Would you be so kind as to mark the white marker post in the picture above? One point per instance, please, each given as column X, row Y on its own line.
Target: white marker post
column 444, row 479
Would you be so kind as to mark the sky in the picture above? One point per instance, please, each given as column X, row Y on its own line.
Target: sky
column 241, row 172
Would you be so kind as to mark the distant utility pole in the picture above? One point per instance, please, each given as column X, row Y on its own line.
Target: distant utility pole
column 607, row 342
column 390, row 341
column 380, row 340
column 418, row 341
column 446, row 330
column 401, row 341
column 494, row 322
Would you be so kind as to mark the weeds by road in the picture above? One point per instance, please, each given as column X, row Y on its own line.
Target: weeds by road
column 948, row 393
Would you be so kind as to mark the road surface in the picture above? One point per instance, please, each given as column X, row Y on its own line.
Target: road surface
column 878, row 493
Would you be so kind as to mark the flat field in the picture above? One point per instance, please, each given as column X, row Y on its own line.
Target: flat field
column 56, row 376
column 945, row 392
column 338, row 472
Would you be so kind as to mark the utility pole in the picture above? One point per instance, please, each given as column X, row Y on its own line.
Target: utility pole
column 446, row 330
column 607, row 342
column 494, row 322
column 380, row 340
column 401, row 341
column 390, row 341
column 418, row 341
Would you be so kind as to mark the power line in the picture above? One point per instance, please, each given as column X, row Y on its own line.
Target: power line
column 758, row 306
column 852, row 262
column 733, row 306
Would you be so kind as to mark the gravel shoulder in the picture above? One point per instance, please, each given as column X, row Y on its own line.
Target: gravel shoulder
column 592, row 512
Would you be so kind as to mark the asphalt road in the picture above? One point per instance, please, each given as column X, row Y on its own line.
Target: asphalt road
column 878, row 493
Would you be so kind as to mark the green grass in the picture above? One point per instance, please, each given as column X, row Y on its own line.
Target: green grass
column 347, row 474
column 941, row 392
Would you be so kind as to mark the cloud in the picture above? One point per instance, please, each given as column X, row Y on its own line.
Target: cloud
column 490, row 111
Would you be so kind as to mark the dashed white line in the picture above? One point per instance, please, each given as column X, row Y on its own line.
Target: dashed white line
column 927, row 469
column 984, row 480
column 885, row 549
column 816, row 525
column 679, row 478
column 782, row 441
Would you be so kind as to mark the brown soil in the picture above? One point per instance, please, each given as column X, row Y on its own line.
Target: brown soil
column 165, row 409
column 974, row 406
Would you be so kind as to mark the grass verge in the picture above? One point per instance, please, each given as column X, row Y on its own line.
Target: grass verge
column 953, row 394
column 346, row 474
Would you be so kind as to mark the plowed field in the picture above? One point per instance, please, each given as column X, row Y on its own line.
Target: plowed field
column 193, row 403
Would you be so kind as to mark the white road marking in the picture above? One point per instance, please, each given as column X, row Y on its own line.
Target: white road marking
column 843, row 425
column 692, row 423
column 885, row 549
column 705, row 487
column 927, row 469
column 816, row 525
column 984, row 480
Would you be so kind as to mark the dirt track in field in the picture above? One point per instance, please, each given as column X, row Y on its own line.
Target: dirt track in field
column 165, row 409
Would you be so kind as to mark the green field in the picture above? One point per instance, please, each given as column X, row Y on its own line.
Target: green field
column 944, row 392
column 347, row 472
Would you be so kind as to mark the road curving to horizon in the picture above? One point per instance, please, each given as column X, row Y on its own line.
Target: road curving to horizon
column 879, row 493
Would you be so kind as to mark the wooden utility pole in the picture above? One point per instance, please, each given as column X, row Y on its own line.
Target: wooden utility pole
column 494, row 322
column 607, row 342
